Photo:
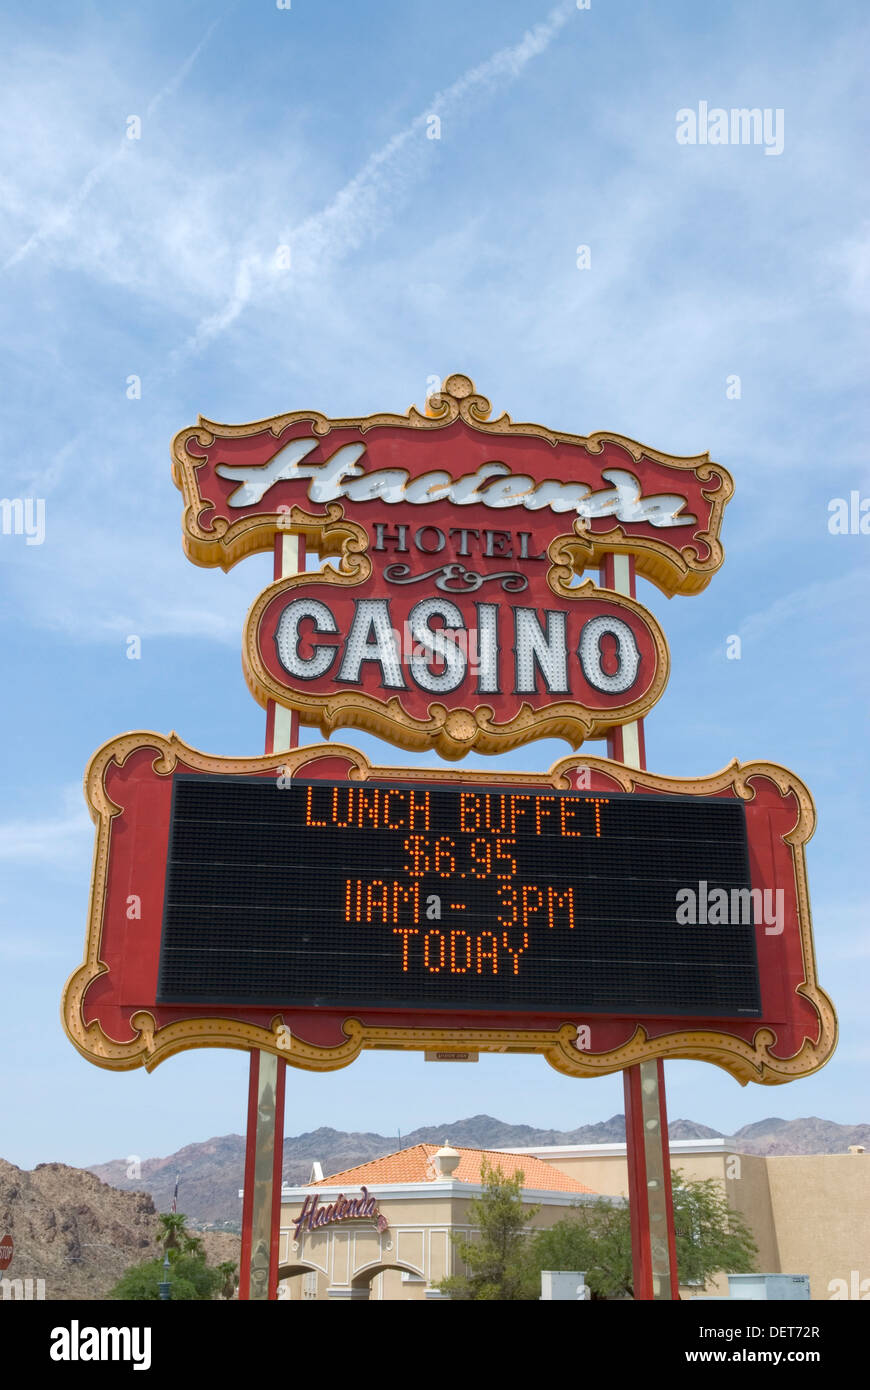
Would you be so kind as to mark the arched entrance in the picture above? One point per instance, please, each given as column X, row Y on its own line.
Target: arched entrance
column 384, row 1281
column 297, row 1281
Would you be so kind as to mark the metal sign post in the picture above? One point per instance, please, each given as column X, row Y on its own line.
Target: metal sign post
column 653, row 1245
column 264, row 1147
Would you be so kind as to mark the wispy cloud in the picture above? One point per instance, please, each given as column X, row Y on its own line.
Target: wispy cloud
column 57, row 838
column 175, row 81
column 59, row 219
column 364, row 204
column 125, row 584
column 851, row 261
column 822, row 596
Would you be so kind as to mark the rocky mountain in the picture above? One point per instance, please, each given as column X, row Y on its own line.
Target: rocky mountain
column 79, row 1234
column 210, row 1174
column 807, row 1136
column 209, row 1177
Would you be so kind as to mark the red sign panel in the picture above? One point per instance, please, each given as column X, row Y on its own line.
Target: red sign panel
column 140, row 929
column 494, row 489
column 454, row 619
column 432, row 659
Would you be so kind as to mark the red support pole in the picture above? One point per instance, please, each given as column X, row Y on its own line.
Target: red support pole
column 265, row 1133
column 641, row 1259
column 653, row 1243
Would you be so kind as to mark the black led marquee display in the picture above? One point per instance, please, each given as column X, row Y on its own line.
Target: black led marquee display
column 345, row 895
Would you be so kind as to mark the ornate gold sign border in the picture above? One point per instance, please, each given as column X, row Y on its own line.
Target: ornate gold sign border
column 744, row 1060
column 450, row 732
column 673, row 569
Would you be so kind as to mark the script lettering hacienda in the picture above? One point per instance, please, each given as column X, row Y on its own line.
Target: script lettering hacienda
column 452, row 467
column 313, row 1216
column 343, row 474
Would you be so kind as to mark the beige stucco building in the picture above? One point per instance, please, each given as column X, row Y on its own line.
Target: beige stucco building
column 809, row 1215
column 417, row 1197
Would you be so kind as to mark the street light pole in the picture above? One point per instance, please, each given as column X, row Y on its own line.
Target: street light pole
column 165, row 1287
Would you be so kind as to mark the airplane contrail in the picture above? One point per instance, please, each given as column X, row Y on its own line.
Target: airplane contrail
column 60, row 218
column 358, row 207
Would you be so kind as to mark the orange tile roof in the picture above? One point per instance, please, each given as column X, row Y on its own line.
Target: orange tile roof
column 415, row 1165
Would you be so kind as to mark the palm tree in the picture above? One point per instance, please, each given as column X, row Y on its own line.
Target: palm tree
column 172, row 1229
column 228, row 1269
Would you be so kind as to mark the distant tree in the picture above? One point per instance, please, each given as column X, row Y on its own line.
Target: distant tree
column 227, row 1270
column 596, row 1237
column 497, row 1259
column 710, row 1238
column 172, row 1229
column 191, row 1279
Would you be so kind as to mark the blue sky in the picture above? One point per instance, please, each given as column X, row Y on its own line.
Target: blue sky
column 412, row 257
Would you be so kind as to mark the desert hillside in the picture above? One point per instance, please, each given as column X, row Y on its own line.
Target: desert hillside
column 79, row 1234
